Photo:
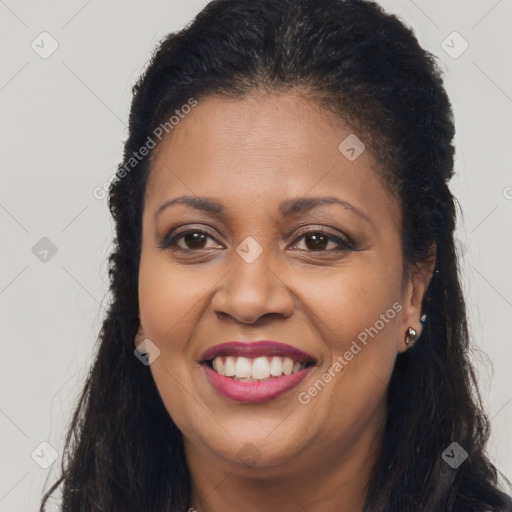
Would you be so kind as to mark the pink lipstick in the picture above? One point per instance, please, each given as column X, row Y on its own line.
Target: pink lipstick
column 255, row 372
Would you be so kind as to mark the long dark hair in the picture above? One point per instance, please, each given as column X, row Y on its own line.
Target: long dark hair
column 123, row 451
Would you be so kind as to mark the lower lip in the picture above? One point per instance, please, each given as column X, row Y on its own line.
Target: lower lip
column 251, row 392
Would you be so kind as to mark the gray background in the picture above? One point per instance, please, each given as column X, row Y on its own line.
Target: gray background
column 63, row 125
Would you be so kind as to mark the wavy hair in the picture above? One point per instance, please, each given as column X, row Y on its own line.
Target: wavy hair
column 123, row 452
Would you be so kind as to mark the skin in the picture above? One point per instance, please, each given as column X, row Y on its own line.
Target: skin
column 250, row 154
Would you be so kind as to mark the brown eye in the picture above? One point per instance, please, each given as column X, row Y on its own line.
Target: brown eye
column 316, row 241
column 194, row 239
column 320, row 240
column 186, row 240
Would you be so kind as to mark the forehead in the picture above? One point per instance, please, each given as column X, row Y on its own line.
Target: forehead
column 265, row 147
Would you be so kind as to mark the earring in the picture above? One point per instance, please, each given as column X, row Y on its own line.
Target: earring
column 410, row 335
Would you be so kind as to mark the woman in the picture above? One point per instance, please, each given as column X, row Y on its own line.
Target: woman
column 287, row 330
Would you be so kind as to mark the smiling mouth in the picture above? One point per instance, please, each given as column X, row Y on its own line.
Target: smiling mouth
column 257, row 369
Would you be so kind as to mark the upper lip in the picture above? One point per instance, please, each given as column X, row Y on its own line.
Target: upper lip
column 255, row 349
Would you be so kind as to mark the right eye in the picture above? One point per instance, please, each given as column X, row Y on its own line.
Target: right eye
column 193, row 239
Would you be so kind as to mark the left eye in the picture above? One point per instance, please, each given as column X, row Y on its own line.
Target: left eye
column 319, row 240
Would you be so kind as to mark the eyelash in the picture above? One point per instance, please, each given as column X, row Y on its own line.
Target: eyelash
column 169, row 242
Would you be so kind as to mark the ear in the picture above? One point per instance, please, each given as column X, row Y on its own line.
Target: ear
column 416, row 285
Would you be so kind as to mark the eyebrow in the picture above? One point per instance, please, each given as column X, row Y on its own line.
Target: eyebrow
column 286, row 208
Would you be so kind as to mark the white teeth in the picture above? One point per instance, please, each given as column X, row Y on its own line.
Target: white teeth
column 243, row 367
column 218, row 366
column 276, row 366
column 259, row 368
column 229, row 366
column 287, row 365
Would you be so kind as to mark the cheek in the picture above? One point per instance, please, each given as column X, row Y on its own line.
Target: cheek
column 166, row 301
column 165, row 297
column 357, row 313
column 360, row 302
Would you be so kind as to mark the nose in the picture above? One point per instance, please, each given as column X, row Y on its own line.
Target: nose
column 251, row 291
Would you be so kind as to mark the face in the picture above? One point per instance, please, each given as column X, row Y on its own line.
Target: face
column 324, row 278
